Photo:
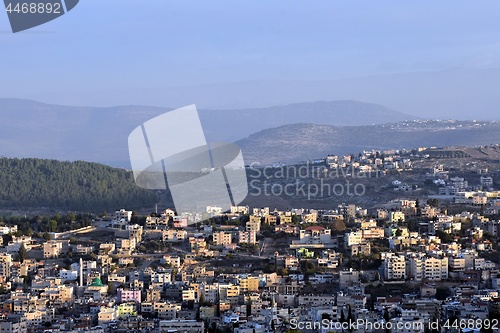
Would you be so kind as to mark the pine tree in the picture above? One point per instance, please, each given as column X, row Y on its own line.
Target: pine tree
column 342, row 316
column 22, row 253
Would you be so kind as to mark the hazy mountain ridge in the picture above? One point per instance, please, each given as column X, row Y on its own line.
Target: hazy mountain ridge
column 33, row 129
column 299, row 142
column 452, row 93
column 338, row 113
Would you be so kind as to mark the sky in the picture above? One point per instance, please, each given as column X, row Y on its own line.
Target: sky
column 234, row 54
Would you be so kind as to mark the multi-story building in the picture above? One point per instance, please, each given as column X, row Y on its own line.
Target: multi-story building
column 189, row 294
column 157, row 222
column 172, row 260
column 107, row 315
column 396, row 216
column 4, row 230
column 240, row 209
column 421, row 267
column 260, row 211
column 394, row 267
column 373, row 232
column 5, row 265
column 492, row 227
column 161, row 277
column 249, row 283
column 180, row 222
column 13, row 324
column 287, row 229
column 486, row 181
column 348, row 278
column 214, row 210
column 353, row 238
column 222, row 238
column 313, row 237
column 197, row 243
column 179, row 325
column 165, row 310
column 128, row 295
column 126, row 244
column 457, row 264
column 247, row 237
column 55, row 248
column 253, row 224
column 284, row 219
column 361, row 249
column 135, row 231
column 229, row 292
column 122, row 214
column 174, row 235
column 209, row 292
column 271, row 219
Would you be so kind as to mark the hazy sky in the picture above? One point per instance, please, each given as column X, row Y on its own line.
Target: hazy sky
column 108, row 52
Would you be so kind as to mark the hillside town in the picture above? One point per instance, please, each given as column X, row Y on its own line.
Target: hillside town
column 424, row 261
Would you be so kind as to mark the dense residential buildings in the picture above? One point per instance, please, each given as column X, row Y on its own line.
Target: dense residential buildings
column 262, row 269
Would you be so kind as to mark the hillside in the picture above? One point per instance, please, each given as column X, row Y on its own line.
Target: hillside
column 243, row 122
column 299, row 142
column 76, row 186
column 33, row 129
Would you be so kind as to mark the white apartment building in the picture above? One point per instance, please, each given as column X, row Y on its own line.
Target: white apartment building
column 421, row 267
column 394, row 267
column 373, row 232
column 123, row 214
column 172, row 260
column 353, row 238
column 161, row 277
column 174, row 235
column 180, row 326
column 240, row 209
column 247, row 237
column 314, row 237
column 261, row 211
column 214, row 210
column 106, row 315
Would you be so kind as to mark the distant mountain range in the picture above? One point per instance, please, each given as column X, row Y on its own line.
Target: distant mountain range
column 33, row 129
column 237, row 124
column 454, row 93
column 288, row 134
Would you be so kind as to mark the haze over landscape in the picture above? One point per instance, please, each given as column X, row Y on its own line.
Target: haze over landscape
column 341, row 171
column 288, row 133
column 339, row 67
column 447, row 67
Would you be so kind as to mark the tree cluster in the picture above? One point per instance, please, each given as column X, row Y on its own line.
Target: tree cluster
column 76, row 186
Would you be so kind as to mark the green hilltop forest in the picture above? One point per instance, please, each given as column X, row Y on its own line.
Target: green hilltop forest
column 76, row 186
